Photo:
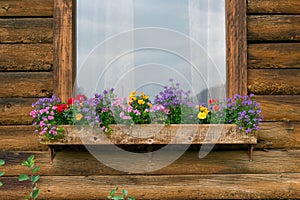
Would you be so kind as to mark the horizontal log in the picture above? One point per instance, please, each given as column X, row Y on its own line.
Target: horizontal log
column 19, row 138
column 16, row 111
column 26, row 30
column 21, row 84
column 26, row 57
column 273, row 6
column 283, row 55
column 236, row 186
column 280, row 107
column 274, row 81
column 26, row 8
column 66, row 163
column 273, row 28
column 279, row 135
column 156, row 134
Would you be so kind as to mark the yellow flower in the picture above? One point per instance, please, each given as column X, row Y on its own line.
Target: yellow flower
column 142, row 93
column 141, row 101
column 132, row 94
column 150, row 105
column 204, row 109
column 132, row 99
column 78, row 117
column 145, row 97
column 201, row 115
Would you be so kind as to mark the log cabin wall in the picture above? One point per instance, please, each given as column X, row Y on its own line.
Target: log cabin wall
column 26, row 74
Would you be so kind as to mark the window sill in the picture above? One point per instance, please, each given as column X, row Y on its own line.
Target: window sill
column 148, row 134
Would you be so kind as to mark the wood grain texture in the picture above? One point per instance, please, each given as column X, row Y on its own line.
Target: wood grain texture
column 235, row 186
column 12, row 8
column 274, row 81
column 280, row 135
column 282, row 55
column 15, row 111
column 64, row 70
column 26, row 57
column 273, row 28
column 22, row 84
column 26, row 30
column 155, row 134
column 280, row 107
column 236, row 43
column 273, row 6
column 216, row 162
column 19, row 138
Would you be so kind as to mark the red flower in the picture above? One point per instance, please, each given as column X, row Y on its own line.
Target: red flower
column 80, row 98
column 61, row 108
column 211, row 101
column 216, row 107
column 70, row 101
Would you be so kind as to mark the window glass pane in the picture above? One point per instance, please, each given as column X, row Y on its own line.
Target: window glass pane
column 141, row 44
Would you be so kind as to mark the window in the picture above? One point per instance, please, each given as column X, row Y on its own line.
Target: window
column 236, row 66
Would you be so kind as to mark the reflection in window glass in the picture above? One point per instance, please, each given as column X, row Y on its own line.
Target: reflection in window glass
column 140, row 44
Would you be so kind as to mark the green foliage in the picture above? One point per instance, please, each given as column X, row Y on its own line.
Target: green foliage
column 29, row 163
column 114, row 196
column 2, row 162
column 23, row 177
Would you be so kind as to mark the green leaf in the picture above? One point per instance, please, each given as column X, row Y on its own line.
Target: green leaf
column 35, row 194
column 2, row 173
column 35, row 178
column 1, row 183
column 125, row 192
column 118, row 198
column 35, row 169
column 25, row 163
column 23, row 177
column 130, row 198
column 113, row 191
column 30, row 160
column 2, row 162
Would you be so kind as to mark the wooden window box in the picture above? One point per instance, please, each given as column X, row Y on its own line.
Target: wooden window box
column 149, row 134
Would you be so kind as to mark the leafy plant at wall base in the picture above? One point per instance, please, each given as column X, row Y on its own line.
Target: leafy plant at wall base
column 123, row 196
column 32, row 177
column 2, row 162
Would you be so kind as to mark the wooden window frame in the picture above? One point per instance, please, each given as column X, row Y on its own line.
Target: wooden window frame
column 64, row 54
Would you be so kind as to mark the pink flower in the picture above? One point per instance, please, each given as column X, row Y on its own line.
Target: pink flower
column 123, row 116
column 137, row 112
column 33, row 113
column 129, row 109
column 42, row 123
column 50, row 117
column 42, row 132
column 53, row 132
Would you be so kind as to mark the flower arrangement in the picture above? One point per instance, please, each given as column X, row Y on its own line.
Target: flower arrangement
column 171, row 106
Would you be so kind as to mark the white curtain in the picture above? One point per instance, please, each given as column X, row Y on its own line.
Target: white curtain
column 119, row 57
column 104, row 46
column 207, row 28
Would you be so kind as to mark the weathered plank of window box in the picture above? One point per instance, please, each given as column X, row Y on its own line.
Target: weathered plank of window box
column 155, row 134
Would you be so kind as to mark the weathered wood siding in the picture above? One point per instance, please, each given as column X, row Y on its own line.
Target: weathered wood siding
column 26, row 74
